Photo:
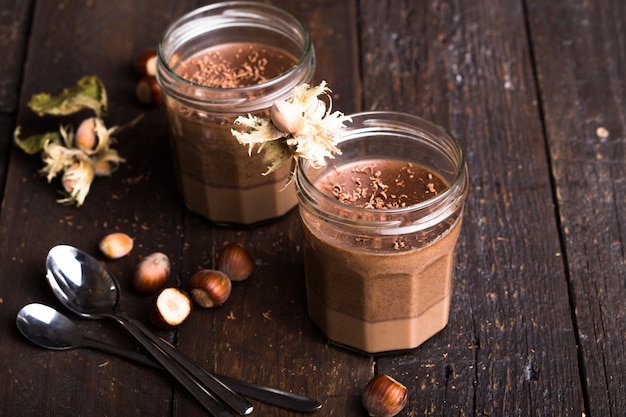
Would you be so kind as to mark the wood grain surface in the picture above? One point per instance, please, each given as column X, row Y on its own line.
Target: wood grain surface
column 534, row 91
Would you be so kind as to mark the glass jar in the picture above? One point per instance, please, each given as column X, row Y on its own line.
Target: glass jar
column 379, row 276
column 216, row 175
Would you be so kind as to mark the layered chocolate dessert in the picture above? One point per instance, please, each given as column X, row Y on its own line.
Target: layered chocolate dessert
column 215, row 174
column 370, row 290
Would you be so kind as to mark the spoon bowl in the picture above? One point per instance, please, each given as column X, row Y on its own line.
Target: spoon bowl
column 48, row 328
column 81, row 283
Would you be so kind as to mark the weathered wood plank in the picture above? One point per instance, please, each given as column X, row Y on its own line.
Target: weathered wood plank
column 580, row 51
column 67, row 42
column 14, row 25
column 510, row 347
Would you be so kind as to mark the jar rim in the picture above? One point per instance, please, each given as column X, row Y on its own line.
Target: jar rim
column 371, row 122
column 230, row 7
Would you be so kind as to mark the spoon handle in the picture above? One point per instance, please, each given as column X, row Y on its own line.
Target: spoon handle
column 287, row 400
column 88, row 342
column 206, row 398
column 209, row 381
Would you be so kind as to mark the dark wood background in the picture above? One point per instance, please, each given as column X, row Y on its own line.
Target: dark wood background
column 538, row 320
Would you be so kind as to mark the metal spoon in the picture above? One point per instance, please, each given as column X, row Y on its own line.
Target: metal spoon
column 88, row 289
column 48, row 328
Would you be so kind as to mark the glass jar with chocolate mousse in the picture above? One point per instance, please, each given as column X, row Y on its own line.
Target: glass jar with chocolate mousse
column 380, row 225
column 214, row 64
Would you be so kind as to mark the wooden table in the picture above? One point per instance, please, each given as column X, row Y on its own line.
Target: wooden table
column 534, row 90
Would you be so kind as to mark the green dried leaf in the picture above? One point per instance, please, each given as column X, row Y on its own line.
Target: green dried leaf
column 35, row 143
column 89, row 93
column 275, row 154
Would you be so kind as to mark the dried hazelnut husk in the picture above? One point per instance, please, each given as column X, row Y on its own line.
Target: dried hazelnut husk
column 210, row 288
column 151, row 273
column 170, row 308
column 76, row 176
column 235, row 261
column 384, row 396
column 116, row 245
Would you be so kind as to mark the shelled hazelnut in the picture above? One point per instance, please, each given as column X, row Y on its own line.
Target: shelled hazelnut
column 170, row 308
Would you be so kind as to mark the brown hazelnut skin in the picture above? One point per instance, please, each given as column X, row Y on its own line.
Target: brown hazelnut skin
column 170, row 308
column 116, row 245
column 151, row 273
column 85, row 137
column 148, row 91
column 145, row 64
column 210, row 288
column 235, row 261
column 384, row 396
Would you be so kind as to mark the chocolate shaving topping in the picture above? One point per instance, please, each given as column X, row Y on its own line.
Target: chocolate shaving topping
column 383, row 184
column 235, row 65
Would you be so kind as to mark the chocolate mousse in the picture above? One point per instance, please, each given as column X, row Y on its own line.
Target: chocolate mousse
column 217, row 177
column 376, row 292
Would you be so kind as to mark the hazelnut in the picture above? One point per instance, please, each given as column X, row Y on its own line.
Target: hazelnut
column 86, row 137
column 210, row 288
column 384, row 396
column 151, row 273
column 70, row 177
column 145, row 64
column 235, row 261
column 148, row 91
column 170, row 308
column 116, row 245
column 103, row 166
column 287, row 116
